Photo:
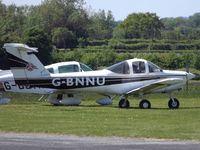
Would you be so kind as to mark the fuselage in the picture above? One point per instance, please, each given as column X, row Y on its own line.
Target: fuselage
column 102, row 82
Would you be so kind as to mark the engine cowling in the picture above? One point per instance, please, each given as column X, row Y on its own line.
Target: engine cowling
column 104, row 101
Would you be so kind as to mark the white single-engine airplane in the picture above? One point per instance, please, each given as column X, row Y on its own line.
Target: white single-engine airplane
column 134, row 76
column 61, row 67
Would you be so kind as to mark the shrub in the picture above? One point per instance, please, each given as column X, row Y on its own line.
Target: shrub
column 97, row 42
column 184, row 46
column 160, row 46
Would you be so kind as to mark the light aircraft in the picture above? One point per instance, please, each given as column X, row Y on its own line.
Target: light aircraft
column 133, row 76
column 61, row 67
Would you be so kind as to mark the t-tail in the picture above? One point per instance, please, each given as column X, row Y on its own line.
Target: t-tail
column 23, row 63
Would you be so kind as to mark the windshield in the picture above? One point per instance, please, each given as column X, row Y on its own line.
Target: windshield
column 153, row 67
column 121, row 68
column 50, row 70
column 85, row 67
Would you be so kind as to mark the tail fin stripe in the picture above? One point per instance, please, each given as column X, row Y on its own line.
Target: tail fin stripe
column 15, row 61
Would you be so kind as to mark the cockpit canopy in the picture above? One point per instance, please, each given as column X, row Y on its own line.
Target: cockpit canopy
column 67, row 67
column 134, row 66
column 121, row 68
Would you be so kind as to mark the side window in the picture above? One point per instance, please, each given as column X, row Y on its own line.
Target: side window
column 50, row 70
column 138, row 67
column 68, row 68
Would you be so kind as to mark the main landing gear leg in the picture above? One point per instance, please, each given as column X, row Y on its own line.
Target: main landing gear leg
column 124, row 103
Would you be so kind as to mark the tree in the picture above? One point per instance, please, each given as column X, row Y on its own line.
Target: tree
column 36, row 37
column 101, row 25
column 2, row 18
column 142, row 25
column 12, row 20
column 197, row 61
column 194, row 20
column 172, row 23
column 64, row 38
column 194, row 33
column 53, row 16
column 61, row 13
column 182, row 27
column 118, row 33
column 78, row 23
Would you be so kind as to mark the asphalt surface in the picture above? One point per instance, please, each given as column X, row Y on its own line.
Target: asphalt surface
column 14, row 141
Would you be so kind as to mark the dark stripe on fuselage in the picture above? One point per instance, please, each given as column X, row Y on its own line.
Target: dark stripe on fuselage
column 80, row 82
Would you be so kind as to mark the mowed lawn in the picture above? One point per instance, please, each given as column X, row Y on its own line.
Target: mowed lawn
column 26, row 114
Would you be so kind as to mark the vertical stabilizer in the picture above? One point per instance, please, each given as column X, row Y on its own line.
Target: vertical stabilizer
column 23, row 62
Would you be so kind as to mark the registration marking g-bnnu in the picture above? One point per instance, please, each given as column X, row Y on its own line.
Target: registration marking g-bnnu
column 79, row 81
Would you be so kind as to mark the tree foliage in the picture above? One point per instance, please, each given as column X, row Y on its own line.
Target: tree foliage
column 142, row 25
column 36, row 37
column 70, row 15
column 97, row 60
column 63, row 38
column 12, row 19
column 182, row 27
column 68, row 24
column 101, row 25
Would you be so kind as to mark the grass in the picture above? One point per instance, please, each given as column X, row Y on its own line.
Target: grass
column 27, row 114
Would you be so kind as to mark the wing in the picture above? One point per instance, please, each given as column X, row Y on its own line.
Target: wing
column 155, row 85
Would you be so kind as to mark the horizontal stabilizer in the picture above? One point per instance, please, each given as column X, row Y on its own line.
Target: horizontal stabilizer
column 21, row 47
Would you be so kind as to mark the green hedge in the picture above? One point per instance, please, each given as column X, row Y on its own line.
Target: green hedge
column 97, row 42
column 160, row 46
column 143, row 44
column 95, row 60
column 138, row 46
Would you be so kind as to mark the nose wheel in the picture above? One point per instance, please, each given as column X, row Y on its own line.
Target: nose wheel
column 173, row 103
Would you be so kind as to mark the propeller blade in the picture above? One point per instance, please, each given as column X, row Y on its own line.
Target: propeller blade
column 187, row 83
column 187, row 69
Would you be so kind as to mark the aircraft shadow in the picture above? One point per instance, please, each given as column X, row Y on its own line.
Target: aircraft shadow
column 157, row 108
column 110, row 106
column 189, row 108
column 49, row 105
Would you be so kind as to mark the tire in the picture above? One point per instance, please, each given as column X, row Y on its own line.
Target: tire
column 173, row 103
column 145, row 104
column 123, row 103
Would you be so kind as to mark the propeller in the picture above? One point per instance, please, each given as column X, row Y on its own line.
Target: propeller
column 187, row 68
column 189, row 75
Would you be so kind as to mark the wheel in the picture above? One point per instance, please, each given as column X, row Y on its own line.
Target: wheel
column 145, row 104
column 173, row 103
column 124, row 103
